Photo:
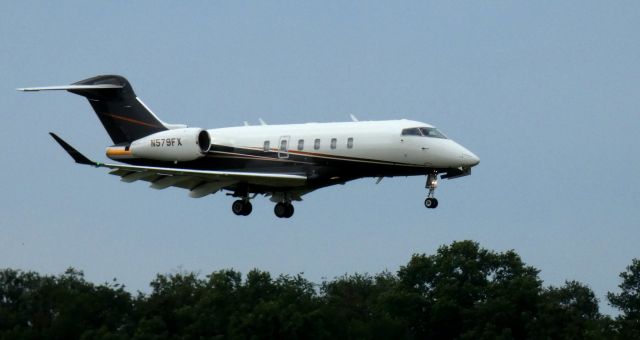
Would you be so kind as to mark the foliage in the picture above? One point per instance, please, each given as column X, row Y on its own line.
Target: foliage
column 571, row 312
column 62, row 307
column 461, row 292
column 628, row 301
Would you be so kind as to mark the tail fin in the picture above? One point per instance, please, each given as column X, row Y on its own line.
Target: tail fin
column 123, row 115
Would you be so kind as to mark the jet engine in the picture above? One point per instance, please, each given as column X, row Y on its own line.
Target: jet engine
column 186, row 144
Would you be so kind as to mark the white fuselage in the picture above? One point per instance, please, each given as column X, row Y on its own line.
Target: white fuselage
column 371, row 140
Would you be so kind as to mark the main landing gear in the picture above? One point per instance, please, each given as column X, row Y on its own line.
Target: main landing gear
column 283, row 209
column 242, row 207
column 432, row 183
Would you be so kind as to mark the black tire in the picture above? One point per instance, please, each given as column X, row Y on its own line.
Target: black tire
column 431, row 203
column 238, row 207
column 247, row 209
column 280, row 210
column 290, row 210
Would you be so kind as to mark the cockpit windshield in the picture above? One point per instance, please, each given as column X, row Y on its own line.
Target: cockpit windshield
column 424, row 132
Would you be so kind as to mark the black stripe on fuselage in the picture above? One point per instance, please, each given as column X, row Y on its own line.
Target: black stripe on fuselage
column 316, row 166
column 260, row 151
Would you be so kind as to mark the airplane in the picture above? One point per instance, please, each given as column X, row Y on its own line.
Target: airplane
column 283, row 162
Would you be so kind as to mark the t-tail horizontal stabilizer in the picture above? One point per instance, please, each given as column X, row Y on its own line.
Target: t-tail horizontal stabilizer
column 121, row 112
column 71, row 87
column 75, row 154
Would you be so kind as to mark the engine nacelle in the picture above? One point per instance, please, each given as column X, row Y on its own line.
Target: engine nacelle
column 180, row 145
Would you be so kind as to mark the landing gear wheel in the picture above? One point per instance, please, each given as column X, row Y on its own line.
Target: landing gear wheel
column 283, row 210
column 241, row 207
column 290, row 210
column 280, row 210
column 248, row 208
column 431, row 202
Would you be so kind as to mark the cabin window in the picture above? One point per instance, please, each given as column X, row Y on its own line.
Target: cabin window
column 266, row 146
column 300, row 144
column 316, row 144
column 334, row 143
column 350, row 143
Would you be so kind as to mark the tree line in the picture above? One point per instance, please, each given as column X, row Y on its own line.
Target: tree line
column 461, row 292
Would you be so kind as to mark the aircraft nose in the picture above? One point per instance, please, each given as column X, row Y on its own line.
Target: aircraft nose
column 470, row 159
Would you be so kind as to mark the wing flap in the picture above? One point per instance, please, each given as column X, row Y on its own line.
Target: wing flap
column 212, row 175
column 208, row 188
column 167, row 181
column 130, row 177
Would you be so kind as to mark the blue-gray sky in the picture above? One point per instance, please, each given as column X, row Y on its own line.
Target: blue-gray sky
column 546, row 93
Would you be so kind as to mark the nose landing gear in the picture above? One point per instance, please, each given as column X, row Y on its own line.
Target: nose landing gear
column 432, row 183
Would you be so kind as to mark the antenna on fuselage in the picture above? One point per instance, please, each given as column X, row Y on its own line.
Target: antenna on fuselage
column 246, row 123
column 354, row 118
column 262, row 122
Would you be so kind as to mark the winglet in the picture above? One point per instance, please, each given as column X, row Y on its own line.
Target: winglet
column 75, row 154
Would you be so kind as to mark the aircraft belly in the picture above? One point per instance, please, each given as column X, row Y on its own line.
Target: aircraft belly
column 316, row 166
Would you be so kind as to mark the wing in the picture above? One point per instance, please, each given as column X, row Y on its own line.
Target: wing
column 199, row 182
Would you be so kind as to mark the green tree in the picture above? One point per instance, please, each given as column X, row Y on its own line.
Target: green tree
column 220, row 303
column 362, row 306
column 223, row 306
column 170, row 309
column 570, row 312
column 461, row 292
column 628, row 302
column 468, row 292
column 275, row 309
column 62, row 307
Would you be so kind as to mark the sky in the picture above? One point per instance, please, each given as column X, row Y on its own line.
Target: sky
column 546, row 93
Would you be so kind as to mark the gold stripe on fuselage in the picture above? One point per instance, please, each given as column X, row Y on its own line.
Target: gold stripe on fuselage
column 118, row 152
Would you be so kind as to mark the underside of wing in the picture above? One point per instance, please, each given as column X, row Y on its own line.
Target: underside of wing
column 199, row 182
column 198, row 187
column 202, row 182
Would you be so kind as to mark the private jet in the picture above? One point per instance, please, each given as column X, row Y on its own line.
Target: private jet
column 282, row 162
